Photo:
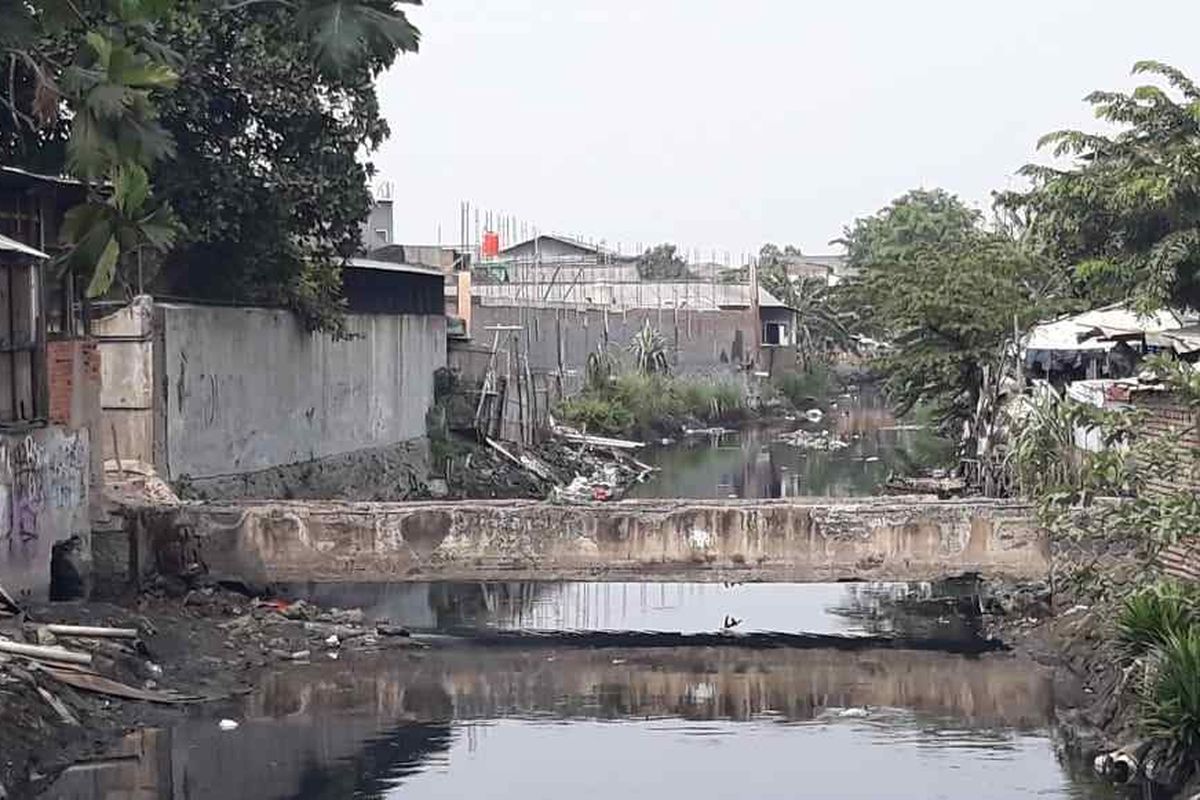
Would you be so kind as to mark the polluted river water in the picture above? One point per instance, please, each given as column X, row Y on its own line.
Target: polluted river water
column 759, row 463
column 560, row 720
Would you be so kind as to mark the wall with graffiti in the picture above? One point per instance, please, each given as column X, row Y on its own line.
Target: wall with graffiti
column 43, row 500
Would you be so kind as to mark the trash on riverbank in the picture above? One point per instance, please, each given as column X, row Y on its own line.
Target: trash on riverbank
column 823, row 441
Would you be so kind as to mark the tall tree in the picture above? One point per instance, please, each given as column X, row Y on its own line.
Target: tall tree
column 946, row 294
column 1124, row 215
column 249, row 118
column 662, row 263
column 888, row 242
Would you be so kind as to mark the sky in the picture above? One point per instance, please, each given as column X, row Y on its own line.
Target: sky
column 720, row 126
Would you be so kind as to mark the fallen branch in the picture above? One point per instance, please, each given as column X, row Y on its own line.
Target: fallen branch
column 41, row 653
column 87, row 632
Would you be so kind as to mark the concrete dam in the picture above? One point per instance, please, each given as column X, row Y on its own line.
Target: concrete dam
column 756, row 540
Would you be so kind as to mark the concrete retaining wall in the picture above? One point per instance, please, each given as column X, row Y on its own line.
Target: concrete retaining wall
column 212, row 392
column 746, row 540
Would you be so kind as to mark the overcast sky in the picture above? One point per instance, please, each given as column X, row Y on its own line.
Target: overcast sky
column 723, row 125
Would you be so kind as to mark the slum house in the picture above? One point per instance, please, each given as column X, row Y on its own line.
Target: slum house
column 243, row 401
column 1095, row 359
column 1107, row 342
column 49, row 396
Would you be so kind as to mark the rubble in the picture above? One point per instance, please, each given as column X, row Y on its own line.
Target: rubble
column 74, row 674
column 562, row 468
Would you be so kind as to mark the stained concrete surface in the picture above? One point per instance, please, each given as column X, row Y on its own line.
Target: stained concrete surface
column 884, row 539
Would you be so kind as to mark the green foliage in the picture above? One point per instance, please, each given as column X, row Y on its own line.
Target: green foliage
column 596, row 413
column 947, row 295
column 1171, row 701
column 1149, row 617
column 1125, row 214
column 662, row 263
column 803, row 389
column 649, row 351
column 915, row 221
column 249, row 119
column 646, row 404
column 600, row 370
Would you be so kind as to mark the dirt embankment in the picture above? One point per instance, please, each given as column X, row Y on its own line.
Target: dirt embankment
column 200, row 644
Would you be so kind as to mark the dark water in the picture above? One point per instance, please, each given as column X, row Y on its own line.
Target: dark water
column 853, row 609
column 580, row 723
column 756, row 464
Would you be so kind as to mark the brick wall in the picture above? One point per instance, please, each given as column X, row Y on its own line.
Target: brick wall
column 73, row 375
column 1170, row 417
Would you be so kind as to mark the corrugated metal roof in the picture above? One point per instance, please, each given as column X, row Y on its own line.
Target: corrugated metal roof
column 567, row 240
column 13, row 246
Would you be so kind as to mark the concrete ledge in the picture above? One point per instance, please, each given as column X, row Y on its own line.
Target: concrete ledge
column 884, row 539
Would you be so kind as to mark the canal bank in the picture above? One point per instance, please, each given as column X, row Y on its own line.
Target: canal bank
column 340, row 725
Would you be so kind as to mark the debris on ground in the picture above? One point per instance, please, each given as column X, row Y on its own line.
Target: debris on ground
column 73, row 674
column 568, row 467
column 814, row 440
column 941, row 483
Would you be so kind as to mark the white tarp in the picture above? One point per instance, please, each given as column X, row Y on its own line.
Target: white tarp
column 1079, row 332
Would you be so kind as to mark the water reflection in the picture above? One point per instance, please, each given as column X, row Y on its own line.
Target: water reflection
column 755, row 464
column 706, row 723
column 831, row 608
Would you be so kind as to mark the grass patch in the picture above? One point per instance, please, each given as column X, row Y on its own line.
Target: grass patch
column 636, row 403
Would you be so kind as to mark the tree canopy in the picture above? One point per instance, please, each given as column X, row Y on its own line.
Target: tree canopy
column 662, row 263
column 1124, row 215
column 946, row 294
column 246, row 121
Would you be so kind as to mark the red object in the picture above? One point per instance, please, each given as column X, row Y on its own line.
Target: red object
column 491, row 244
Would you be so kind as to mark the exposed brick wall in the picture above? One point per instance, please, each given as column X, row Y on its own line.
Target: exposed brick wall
column 73, row 375
column 1171, row 418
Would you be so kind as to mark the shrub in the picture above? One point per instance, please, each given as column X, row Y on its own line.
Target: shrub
column 597, row 414
column 1171, row 702
column 1152, row 616
column 801, row 389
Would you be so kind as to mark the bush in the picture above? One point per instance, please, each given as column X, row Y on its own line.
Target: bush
column 1171, row 703
column 643, row 404
column 1154, row 615
column 802, row 389
column 597, row 414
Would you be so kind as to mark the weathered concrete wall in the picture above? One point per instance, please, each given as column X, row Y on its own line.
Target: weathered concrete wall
column 126, row 340
column 394, row 472
column 248, row 388
column 44, row 475
column 215, row 392
column 763, row 540
column 700, row 342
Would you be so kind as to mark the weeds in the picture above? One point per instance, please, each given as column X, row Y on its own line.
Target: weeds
column 1152, row 616
column 644, row 404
